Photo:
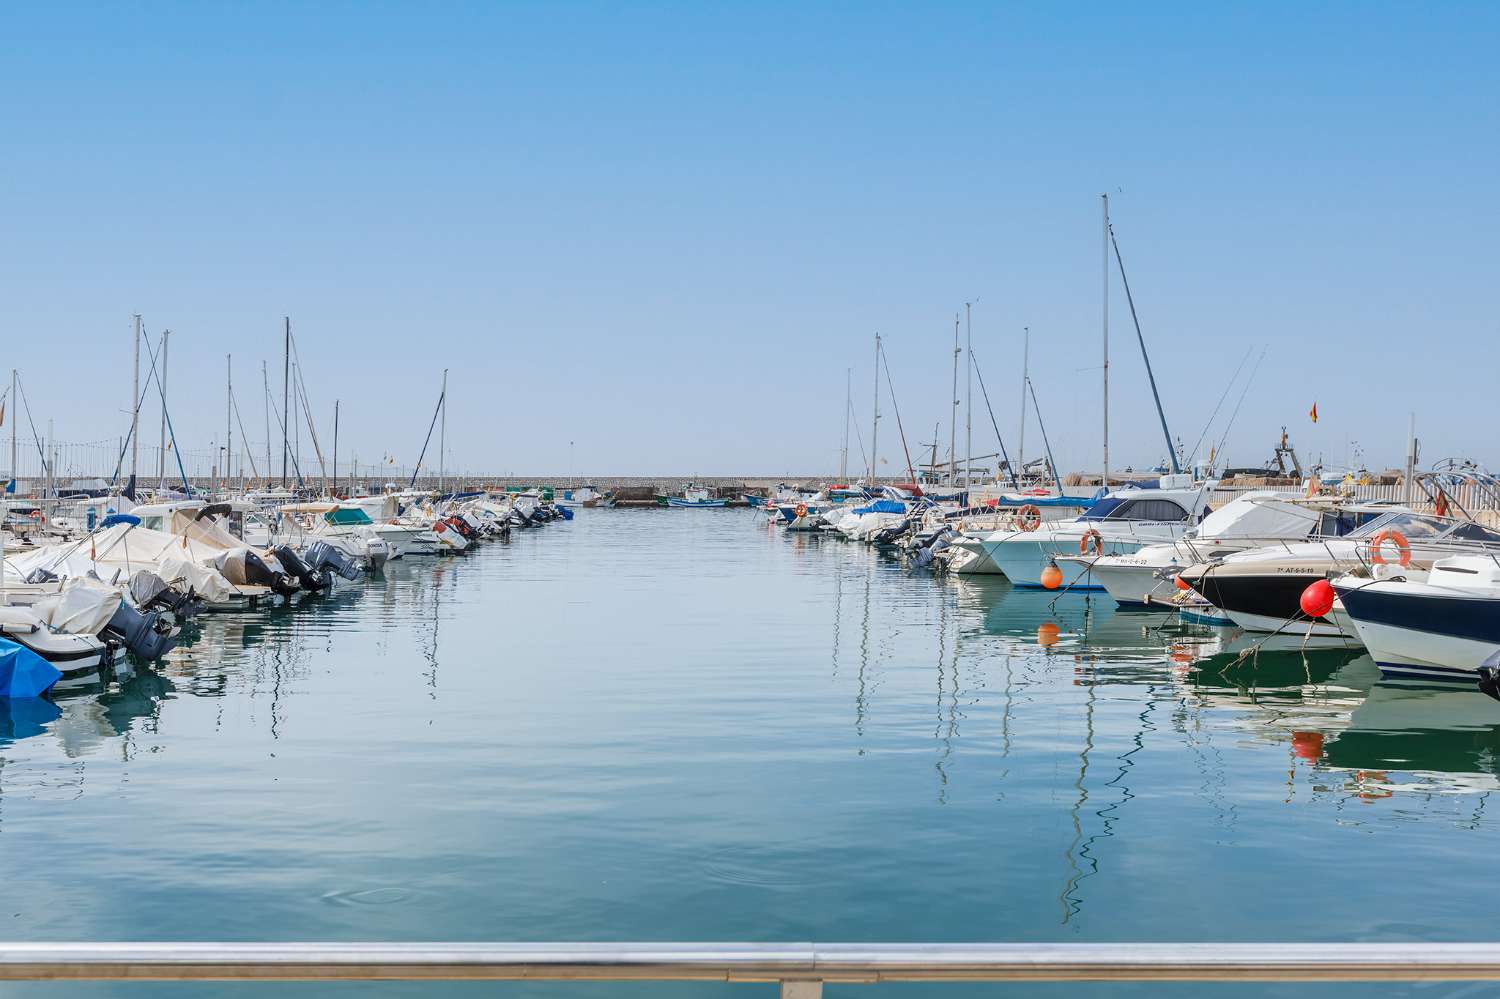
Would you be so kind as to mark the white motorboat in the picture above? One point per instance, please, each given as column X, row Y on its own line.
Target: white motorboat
column 1261, row 589
column 1149, row 575
column 1124, row 520
column 1440, row 623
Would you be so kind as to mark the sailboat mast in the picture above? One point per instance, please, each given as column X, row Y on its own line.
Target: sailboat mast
column 1105, row 299
column 228, row 418
column 15, row 418
column 135, row 397
column 968, row 393
column 335, row 446
column 953, row 413
column 265, row 380
column 1025, row 379
column 844, row 458
column 875, row 421
column 161, row 444
column 443, row 435
column 286, row 395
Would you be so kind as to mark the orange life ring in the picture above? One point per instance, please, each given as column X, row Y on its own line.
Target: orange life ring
column 1029, row 517
column 801, row 510
column 1093, row 537
column 1403, row 547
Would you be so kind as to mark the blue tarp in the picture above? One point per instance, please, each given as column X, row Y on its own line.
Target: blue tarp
column 882, row 506
column 23, row 673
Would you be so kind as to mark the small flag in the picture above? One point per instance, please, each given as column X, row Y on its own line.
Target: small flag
column 1313, row 413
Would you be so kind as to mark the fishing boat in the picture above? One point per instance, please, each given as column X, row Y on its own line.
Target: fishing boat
column 696, row 496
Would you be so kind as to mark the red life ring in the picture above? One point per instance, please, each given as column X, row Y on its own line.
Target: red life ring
column 801, row 510
column 1403, row 547
column 1093, row 537
column 1029, row 517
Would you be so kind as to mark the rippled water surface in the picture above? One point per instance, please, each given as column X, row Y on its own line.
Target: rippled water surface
column 683, row 725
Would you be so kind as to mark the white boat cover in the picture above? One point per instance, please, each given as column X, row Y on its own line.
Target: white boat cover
column 1261, row 514
column 116, row 553
column 83, row 607
column 209, row 584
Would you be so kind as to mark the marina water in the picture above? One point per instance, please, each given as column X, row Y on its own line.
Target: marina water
column 680, row 725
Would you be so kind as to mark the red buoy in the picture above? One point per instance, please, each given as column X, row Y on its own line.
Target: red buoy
column 1182, row 584
column 1317, row 599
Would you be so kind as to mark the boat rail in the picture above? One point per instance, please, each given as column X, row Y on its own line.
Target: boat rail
column 800, row 969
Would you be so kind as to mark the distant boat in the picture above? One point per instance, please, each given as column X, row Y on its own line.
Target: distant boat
column 695, row 496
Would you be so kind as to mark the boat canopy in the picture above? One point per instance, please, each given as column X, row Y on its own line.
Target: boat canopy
column 1262, row 514
column 347, row 515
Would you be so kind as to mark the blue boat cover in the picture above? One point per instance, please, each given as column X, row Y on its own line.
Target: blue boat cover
column 882, row 506
column 23, row 673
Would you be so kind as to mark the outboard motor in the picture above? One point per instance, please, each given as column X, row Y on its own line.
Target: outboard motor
column 326, row 560
column 149, row 592
column 294, row 564
column 243, row 567
column 149, row 635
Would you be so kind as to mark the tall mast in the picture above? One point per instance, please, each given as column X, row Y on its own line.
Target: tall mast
column 286, row 383
column 968, row 394
column 161, row 444
column 135, row 398
column 443, row 435
column 1025, row 380
column 15, row 418
column 1105, row 299
column 228, row 418
column 335, row 446
column 844, row 455
column 875, row 421
column 265, row 380
column 953, row 413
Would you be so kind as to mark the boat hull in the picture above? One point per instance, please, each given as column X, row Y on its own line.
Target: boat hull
column 1436, row 637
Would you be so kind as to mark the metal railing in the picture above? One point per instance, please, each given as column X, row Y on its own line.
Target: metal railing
column 799, row 968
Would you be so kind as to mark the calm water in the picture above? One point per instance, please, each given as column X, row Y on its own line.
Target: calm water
column 683, row 725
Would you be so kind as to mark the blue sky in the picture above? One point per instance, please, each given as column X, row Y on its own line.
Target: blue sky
column 664, row 231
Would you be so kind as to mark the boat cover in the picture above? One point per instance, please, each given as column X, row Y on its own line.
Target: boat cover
column 83, row 607
column 182, row 573
column 23, row 673
column 1263, row 514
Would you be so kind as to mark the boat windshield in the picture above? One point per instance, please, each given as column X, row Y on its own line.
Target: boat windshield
column 1424, row 526
column 1102, row 508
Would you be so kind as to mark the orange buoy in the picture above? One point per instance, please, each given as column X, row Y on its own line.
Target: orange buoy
column 1048, row 633
column 1403, row 547
column 1052, row 576
column 1182, row 584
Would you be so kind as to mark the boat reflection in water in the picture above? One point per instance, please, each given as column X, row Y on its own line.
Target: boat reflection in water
column 1321, row 699
column 84, row 719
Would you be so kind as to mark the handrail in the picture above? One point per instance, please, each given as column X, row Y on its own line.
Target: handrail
column 800, row 968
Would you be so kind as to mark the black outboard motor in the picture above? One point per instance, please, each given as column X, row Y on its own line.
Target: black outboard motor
column 306, row 574
column 150, row 592
column 327, row 560
column 148, row 635
column 242, row 566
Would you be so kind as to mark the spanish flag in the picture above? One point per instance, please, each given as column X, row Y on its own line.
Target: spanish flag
column 1313, row 413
